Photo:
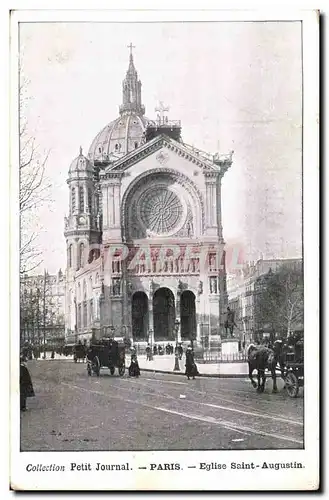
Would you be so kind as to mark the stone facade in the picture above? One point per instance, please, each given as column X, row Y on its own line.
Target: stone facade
column 144, row 232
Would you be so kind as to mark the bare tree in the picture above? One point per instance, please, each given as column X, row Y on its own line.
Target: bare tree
column 280, row 301
column 34, row 187
column 40, row 317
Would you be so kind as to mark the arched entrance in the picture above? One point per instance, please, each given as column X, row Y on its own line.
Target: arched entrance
column 188, row 315
column 164, row 314
column 139, row 313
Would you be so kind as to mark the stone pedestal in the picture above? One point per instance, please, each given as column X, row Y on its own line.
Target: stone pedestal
column 230, row 347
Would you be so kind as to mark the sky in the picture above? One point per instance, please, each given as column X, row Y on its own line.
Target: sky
column 234, row 86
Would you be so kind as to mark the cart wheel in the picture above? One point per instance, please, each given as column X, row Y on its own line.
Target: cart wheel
column 121, row 370
column 292, row 386
column 89, row 370
column 112, row 370
column 96, row 366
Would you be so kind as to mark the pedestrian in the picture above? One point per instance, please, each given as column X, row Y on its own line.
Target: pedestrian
column 25, row 385
column 148, row 352
column 191, row 369
column 52, row 354
column 180, row 351
column 134, row 370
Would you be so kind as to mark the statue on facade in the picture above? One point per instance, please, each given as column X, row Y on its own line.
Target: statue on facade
column 129, row 287
column 116, row 287
column 180, row 287
column 213, row 285
column 98, row 220
column 200, row 288
column 189, row 228
column 151, row 286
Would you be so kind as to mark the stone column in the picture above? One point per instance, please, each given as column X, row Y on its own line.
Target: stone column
column 219, row 208
column 111, row 196
column 211, row 203
column 198, row 319
column 151, row 323
column 177, row 315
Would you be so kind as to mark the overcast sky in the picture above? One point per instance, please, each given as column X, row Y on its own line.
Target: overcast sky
column 235, row 86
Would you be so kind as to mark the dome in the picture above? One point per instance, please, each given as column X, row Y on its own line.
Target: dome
column 127, row 132
column 119, row 137
column 81, row 164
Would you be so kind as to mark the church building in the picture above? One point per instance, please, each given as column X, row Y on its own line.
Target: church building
column 144, row 236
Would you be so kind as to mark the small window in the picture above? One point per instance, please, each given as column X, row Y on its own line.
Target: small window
column 116, row 147
column 99, row 150
column 136, row 145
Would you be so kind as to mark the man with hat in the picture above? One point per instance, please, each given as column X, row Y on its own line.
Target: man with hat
column 25, row 384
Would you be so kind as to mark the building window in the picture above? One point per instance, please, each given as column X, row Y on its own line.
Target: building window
column 91, row 311
column 73, row 200
column 136, row 145
column 79, row 316
column 81, row 200
column 81, row 261
column 84, row 318
column 69, row 256
column 89, row 200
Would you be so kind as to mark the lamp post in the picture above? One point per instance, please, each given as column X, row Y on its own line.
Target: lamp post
column 176, row 366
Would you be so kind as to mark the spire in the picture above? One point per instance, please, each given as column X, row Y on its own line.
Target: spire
column 80, row 151
column 131, row 69
column 131, row 88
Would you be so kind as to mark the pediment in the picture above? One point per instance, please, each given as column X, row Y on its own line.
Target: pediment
column 161, row 143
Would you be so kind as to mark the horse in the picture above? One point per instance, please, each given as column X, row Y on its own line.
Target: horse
column 260, row 358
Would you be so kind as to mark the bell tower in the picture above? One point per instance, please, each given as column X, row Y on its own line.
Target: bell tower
column 83, row 224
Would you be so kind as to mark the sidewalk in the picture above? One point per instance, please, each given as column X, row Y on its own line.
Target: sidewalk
column 165, row 364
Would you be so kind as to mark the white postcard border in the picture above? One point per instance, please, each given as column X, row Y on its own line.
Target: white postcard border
column 186, row 479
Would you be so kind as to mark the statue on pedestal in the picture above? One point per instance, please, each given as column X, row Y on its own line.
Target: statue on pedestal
column 200, row 288
column 230, row 322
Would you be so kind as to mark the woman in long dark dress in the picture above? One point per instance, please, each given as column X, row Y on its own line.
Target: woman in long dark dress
column 25, row 385
column 191, row 369
column 134, row 370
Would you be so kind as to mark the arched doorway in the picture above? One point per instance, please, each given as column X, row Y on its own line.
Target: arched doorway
column 139, row 313
column 164, row 314
column 188, row 315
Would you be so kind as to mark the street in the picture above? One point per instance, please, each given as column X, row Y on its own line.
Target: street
column 74, row 412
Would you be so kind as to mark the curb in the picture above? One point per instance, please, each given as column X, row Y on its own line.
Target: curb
column 202, row 375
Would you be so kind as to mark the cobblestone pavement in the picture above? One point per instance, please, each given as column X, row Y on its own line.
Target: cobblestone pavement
column 72, row 411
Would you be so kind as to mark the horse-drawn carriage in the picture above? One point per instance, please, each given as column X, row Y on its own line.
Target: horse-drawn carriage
column 293, row 369
column 106, row 353
column 79, row 352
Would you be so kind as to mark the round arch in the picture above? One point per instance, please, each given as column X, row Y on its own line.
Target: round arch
column 162, row 175
column 164, row 314
column 188, row 315
column 139, row 316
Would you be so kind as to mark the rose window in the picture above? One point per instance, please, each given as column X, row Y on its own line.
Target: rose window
column 160, row 210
